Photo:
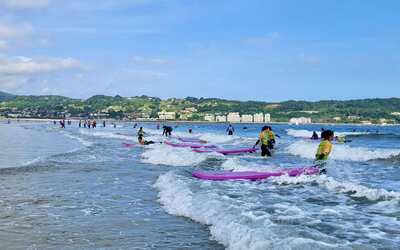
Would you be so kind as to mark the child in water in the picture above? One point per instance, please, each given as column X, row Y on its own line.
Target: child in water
column 324, row 149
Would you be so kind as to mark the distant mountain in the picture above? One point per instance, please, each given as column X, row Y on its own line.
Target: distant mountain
column 6, row 96
column 385, row 110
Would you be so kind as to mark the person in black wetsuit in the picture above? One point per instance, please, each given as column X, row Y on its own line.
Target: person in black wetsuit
column 314, row 136
column 167, row 130
column 142, row 141
column 230, row 129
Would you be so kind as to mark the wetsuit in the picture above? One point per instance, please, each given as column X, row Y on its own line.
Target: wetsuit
column 167, row 131
column 271, row 139
column 264, row 139
column 140, row 132
column 230, row 130
column 322, row 155
column 144, row 142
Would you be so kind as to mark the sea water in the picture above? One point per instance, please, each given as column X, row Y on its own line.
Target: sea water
column 79, row 188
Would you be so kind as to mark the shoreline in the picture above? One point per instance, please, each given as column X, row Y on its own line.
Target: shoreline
column 2, row 119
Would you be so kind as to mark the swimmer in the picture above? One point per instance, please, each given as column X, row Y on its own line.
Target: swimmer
column 314, row 136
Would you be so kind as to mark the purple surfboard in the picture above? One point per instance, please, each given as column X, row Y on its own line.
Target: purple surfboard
column 194, row 140
column 227, row 151
column 252, row 175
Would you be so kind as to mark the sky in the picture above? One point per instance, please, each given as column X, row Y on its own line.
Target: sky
column 234, row 49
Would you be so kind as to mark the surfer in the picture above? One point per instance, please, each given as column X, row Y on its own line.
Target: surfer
column 167, row 130
column 142, row 141
column 190, row 131
column 230, row 129
column 324, row 150
column 264, row 139
column 104, row 123
column 314, row 136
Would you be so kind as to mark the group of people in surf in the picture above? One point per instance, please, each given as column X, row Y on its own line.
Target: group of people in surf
column 267, row 139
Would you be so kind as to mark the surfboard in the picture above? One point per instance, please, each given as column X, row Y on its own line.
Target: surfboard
column 253, row 175
column 227, row 151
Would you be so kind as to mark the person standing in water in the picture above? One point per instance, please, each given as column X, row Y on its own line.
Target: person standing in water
column 167, row 130
column 230, row 129
column 264, row 139
column 104, row 123
column 324, row 150
column 314, row 136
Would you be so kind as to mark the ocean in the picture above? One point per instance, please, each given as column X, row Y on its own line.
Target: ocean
column 79, row 188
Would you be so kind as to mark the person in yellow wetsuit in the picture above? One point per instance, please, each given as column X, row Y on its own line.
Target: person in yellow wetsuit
column 324, row 149
column 264, row 139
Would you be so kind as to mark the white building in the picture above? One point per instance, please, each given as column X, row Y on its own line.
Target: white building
column 220, row 118
column 209, row 118
column 166, row 115
column 258, row 118
column 300, row 120
column 267, row 118
column 247, row 118
column 233, row 117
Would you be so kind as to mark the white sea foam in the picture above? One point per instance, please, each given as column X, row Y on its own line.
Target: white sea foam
column 307, row 149
column 307, row 133
column 232, row 223
column 167, row 155
column 350, row 188
column 236, row 164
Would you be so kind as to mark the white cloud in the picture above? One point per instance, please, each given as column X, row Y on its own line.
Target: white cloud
column 24, row 4
column 144, row 60
column 8, row 31
column 28, row 66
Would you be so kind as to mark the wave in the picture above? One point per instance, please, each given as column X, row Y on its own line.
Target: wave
column 306, row 149
column 302, row 133
column 167, row 155
column 235, row 224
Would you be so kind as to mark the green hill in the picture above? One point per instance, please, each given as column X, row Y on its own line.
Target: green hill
column 144, row 106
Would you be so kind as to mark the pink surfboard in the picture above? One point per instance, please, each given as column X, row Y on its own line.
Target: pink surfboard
column 194, row 140
column 189, row 145
column 252, row 175
column 227, row 151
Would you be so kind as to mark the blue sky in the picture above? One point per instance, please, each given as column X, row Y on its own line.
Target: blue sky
column 246, row 50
